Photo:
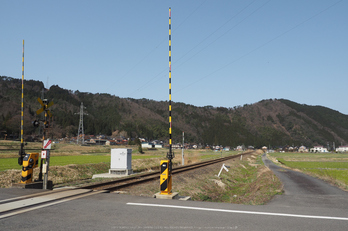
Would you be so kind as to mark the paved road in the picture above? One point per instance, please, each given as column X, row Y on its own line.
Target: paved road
column 303, row 190
column 308, row 204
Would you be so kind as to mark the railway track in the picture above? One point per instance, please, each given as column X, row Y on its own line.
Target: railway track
column 117, row 184
column 18, row 205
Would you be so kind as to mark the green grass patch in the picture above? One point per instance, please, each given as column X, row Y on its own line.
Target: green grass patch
column 315, row 164
column 9, row 163
column 339, row 176
column 12, row 163
column 310, row 156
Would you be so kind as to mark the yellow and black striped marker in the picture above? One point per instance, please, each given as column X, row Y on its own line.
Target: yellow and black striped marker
column 30, row 161
column 21, row 151
column 169, row 155
column 166, row 177
column 166, row 165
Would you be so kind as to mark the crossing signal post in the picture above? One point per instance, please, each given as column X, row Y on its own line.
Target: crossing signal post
column 45, row 154
column 29, row 161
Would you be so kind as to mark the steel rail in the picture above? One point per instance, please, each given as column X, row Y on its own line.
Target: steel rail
column 142, row 178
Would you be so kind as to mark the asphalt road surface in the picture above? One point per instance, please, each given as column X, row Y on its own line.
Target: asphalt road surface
column 303, row 190
column 307, row 204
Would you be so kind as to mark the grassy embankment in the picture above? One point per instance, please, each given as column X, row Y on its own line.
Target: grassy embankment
column 71, row 162
column 331, row 167
column 248, row 181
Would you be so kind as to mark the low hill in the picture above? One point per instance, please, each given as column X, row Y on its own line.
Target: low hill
column 273, row 122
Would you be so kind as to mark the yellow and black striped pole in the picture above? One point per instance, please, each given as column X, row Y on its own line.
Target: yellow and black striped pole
column 21, row 151
column 22, row 104
column 166, row 165
column 169, row 156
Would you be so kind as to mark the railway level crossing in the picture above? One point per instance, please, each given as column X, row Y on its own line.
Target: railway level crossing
column 29, row 161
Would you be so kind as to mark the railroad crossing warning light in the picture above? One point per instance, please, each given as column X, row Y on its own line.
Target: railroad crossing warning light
column 21, row 156
column 166, row 177
column 36, row 123
column 30, row 161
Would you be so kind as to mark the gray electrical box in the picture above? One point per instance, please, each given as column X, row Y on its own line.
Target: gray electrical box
column 121, row 161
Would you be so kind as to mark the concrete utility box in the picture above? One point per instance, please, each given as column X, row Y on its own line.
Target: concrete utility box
column 121, row 161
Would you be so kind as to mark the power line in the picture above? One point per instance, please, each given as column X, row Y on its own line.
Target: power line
column 227, row 30
column 152, row 51
column 239, row 12
column 259, row 47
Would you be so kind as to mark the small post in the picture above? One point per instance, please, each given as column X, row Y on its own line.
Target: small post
column 223, row 167
column 183, row 146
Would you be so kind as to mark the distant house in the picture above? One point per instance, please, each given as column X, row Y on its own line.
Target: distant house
column 342, row 149
column 227, row 148
column 318, row 149
column 302, row 149
column 147, row 145
column 176, row 146
column 158, row 145
column 239, row 148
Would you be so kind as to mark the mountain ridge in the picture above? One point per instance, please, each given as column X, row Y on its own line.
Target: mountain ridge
column 271, row 122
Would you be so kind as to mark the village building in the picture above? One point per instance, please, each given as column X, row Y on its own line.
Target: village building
column 302, row 149
column 319, row 149
column 342, row 149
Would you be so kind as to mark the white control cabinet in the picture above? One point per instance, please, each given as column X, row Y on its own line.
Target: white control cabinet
column 121, row 160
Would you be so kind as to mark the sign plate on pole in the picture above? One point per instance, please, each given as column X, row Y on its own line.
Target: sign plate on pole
column 43, row 154
column 47, row 144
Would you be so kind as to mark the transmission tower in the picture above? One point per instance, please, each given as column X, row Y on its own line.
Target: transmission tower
column 81, row 133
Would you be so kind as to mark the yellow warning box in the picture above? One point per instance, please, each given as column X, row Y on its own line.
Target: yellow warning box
column 166, row 177
column 30, row 161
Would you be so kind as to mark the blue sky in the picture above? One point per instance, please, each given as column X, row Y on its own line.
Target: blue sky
column 224, row 52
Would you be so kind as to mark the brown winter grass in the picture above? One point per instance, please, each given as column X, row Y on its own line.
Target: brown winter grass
column 247, row 182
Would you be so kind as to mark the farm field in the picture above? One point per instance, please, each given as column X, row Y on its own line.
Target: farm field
column 331, row 167
column 67, row 154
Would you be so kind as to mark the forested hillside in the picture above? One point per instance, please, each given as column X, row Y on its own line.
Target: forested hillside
column 273, row 122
